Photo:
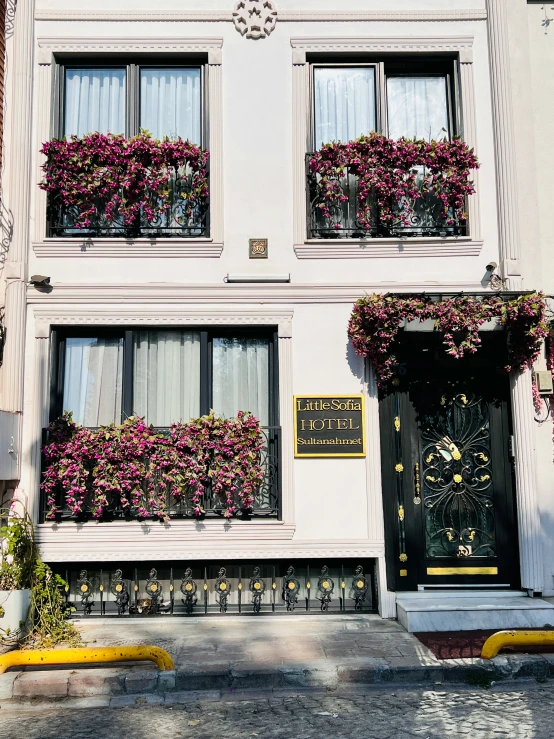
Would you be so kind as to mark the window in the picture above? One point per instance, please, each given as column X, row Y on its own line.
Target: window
column 165, row 100
column 165, row 375
column 412, row 98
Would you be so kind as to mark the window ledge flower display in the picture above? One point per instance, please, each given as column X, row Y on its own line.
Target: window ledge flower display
column 136, row 469
column 394, row 177
column 377, row 319
column 106, row 181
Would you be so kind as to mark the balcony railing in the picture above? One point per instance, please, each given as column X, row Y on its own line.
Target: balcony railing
column 267, row 499
column 175, row 222
column 421, row 217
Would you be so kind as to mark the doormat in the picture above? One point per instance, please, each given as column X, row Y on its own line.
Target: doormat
column 458, row 644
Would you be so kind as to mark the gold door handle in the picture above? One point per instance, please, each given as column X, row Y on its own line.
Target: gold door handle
column 417, row 485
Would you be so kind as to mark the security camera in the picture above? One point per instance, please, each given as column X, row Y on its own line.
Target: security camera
column 40, row 280
column 491, row 266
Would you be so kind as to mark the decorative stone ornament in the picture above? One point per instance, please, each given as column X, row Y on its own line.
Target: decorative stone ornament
column 255, row 18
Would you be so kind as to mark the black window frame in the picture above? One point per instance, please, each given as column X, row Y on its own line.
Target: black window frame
column 393, row 66
column 59, row 335
column 132, row 63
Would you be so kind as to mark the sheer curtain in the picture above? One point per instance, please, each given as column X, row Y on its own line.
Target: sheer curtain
column 92, row 380
column 94, row 101
column 170, row 101
column 241, row 377
column 344, row 103
column 166, row 383
column 417, row 107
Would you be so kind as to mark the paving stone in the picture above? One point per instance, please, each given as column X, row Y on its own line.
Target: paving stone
column 96, row 682
column 188, row 696
column 46, row 685
column 122, row 701
column 141, row 681
column 6, row 684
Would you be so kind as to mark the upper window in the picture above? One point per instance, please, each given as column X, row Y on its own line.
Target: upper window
column 164, row 100
column 165, row 375
column 410, row 98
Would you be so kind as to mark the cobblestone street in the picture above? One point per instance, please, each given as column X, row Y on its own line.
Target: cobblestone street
column 525, row 712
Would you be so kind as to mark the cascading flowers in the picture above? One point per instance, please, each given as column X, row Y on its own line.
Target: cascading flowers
column 136, row 470
column 377, row 319
column 110, row 176
column 391, row 172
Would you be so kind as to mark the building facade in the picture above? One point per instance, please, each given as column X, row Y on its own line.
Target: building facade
column 242, row 303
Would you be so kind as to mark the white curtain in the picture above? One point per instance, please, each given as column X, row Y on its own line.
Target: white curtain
column 170, row 101
column 94, row 101
column 92, row 380
column 241, row 377
column 344, row 103
column 417, row 107
column 166, row 383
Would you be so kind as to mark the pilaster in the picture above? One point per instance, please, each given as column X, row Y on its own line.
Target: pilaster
column 286, row 421
column 215, row 96
column 470, row 136
column 299, row 142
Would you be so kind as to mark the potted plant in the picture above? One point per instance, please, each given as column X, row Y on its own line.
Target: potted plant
column 17, row 563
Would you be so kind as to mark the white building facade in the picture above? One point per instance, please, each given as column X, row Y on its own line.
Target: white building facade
column 170, row 322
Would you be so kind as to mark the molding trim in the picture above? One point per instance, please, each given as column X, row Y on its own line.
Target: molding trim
column 188, row 540
column 292, row 16
column 382, row 43
column 115, row 299
column 377, row 249
column 143, row 249
column 48, row 45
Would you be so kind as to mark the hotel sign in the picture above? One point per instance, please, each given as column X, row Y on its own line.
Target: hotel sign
column 329, row 426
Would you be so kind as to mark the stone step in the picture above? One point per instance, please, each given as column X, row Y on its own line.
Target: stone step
column 438, row 612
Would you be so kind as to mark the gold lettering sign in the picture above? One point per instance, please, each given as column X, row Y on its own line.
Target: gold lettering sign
column 329, row 426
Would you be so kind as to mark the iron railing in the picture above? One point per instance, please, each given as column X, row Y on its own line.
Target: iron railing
column 267, row 500
column 174, row 222
column 412, row 218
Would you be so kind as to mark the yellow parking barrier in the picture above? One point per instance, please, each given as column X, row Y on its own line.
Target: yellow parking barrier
column 81, row 655
column 515, row 639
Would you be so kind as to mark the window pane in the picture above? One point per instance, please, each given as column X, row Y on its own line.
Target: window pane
column 241, row 376
column 94, row 101
column 166, row 382
column 417, row 107
column 344, row 103
column 92, row 380
column 170, row 103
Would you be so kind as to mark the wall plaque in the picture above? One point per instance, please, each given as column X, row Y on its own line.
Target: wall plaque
column 329, row 426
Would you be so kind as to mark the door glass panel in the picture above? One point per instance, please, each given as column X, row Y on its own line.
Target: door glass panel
column 457, row 477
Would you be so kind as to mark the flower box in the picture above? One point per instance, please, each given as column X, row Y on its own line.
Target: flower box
column 15, row 605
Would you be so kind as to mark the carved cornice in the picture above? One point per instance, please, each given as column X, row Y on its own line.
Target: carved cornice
column 255, row 19
column 383, row 43
column 379, row 249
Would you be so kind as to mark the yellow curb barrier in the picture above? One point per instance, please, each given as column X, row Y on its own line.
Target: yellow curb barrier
column 81, row 655
column 515, row 639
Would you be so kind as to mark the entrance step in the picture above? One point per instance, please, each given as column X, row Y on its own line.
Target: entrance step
column 461, row 611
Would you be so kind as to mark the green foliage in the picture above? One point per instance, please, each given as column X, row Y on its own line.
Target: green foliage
column 17, row 551
column 49, row 611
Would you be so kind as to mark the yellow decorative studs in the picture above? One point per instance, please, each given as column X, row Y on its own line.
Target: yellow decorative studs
column 399, row 467
column 397, row 423
column 401, row 512
column 403, row 557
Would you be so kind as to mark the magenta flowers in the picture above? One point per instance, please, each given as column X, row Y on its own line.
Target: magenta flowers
column 109, row 176
column 135, row 469
column 394, row 174
column 377, row 319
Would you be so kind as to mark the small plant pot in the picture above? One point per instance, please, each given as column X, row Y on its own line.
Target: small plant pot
column 15, row 605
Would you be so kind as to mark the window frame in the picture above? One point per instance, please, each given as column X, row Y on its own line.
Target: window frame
column 58, row 336
column 132, row 63
column 385, row 64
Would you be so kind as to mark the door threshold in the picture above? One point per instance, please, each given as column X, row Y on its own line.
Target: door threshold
column 469, row 586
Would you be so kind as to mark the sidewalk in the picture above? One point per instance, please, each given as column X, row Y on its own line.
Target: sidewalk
column 243, row 653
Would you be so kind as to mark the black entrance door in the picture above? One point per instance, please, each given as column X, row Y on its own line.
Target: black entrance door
column 447, row 477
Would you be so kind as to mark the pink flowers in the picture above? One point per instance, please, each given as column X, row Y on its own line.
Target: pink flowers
column 376, row 321
column 109, row 176
column 392, row 172
column 134, row 469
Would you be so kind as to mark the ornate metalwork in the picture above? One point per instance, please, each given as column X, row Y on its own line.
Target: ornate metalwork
column 458, row 478
column 417, row 484
column 85, row 591
column 173, row 222
column 325, row 587
column 421, row 217
column 154, row 590
column 189, row 589
column 119, row 589
column 360, row 587
column 291, row 588
column 257, row 588
column 222, row 590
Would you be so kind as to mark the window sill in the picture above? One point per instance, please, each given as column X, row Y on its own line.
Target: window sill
column 454, row 246
column 151, row 540
column 119, row 247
